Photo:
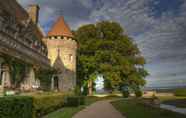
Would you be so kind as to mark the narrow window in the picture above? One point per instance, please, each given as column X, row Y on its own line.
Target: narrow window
column 70, row 57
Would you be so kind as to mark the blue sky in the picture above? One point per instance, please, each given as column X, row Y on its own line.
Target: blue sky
column 157, row 26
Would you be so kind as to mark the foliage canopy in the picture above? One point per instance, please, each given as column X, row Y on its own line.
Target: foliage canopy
column 105, row 49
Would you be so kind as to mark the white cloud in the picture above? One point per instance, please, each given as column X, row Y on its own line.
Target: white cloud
column 161, row 39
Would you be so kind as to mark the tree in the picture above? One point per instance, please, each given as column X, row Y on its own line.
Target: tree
column 105, row 49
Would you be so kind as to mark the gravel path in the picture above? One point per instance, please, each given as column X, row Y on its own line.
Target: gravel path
column 100, row 109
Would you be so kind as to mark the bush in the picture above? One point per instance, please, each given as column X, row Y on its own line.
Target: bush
column 138, row 93
column 16, row 107
column 81, row 100
column 180, row 92
column 77, row 90
column 44, row 104
column 74, row 101
column 125, row 94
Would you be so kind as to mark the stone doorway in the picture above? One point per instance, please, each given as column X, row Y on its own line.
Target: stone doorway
column 5, row 75
column 56, row 83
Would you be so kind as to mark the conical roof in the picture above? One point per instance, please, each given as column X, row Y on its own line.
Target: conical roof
column 60, row 28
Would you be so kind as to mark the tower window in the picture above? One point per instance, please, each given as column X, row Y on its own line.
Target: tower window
column 70, row 57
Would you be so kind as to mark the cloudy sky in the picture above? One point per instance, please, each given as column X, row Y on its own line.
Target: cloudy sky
column 157, row 26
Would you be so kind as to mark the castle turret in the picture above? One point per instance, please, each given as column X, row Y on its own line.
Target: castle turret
column 62, row 53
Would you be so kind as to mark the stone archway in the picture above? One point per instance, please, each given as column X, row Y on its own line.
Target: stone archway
column 55, row 83
column 5, row 75
column 5, row 80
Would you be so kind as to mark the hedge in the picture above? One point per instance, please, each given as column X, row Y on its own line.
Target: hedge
column 44, row 104
column 138, row 93
column 35, row 106
column 16, row 107
column 125, row 94
column 74, row 101
column 180, row 92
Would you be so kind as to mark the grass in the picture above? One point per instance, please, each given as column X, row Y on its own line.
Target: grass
column 165, row 98
column 174, row 100
column 180, row 103
column 68, row 112
column 132, row 109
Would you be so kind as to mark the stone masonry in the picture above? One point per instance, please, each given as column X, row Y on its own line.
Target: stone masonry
column 62, row 53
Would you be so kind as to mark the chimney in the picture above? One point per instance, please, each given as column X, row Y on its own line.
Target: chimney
column 33, row 11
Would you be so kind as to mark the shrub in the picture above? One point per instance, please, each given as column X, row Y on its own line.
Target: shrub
column 81, row 100
column 180, row 92
column 138, row 93
column 77, row 90
column 125, row 94
column 16, row 107
column 44, row 104
column 74, row 101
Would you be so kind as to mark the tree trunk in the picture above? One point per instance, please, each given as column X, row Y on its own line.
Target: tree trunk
column 90, row 87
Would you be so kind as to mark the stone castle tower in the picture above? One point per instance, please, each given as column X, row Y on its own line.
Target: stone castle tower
column 62, row 53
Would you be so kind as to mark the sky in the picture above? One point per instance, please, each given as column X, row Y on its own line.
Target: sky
column 157, row 26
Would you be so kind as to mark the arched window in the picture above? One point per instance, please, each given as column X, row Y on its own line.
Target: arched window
column 70, row 57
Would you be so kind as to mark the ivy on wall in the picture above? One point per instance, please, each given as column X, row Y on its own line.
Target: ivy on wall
column 45, row 77
column 17, row 70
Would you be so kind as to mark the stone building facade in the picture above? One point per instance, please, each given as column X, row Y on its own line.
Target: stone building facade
column 21, row 41
column 62, row 53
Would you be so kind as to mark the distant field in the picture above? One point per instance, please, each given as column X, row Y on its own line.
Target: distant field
column 173, row 100
column 132, row 109
column 164, row 89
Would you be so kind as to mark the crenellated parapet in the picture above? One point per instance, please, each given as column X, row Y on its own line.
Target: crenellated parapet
column 60, row 41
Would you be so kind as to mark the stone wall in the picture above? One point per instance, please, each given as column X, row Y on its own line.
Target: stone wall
column 21, row 40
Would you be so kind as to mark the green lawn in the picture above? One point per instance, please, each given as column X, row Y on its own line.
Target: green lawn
column 173, row 100
column 68, row 112
column 165, row 98
column 132, row 109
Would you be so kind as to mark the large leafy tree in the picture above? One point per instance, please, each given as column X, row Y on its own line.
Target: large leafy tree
column 105, row 49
